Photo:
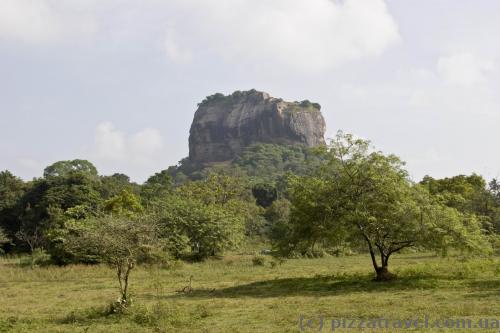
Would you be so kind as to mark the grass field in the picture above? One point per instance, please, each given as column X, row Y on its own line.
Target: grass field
column 233, row 295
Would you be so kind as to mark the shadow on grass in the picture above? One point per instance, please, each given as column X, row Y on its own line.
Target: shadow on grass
column 313, row 286
column 484, row 288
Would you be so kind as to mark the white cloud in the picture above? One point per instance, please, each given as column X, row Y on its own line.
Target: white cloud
column 139, row 154
column 297, row 34
column 27, row 20
column 110, row 144
column 464, row 68
column 306, row 35
column 42, row 21
column 146, row 143
column 174, row 51
column 114, row 145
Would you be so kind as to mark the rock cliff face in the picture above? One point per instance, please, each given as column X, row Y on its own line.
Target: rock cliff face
column 224, row 125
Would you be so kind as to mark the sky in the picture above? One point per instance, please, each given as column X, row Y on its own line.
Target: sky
column 117, row 82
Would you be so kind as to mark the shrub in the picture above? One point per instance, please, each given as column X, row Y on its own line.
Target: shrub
column 315, row 254
column 37, row 258
column 258, row 260
column 121, row 243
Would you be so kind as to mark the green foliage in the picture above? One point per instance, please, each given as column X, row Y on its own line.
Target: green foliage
column 308, row 104
column 43, row 206
column 260, row 163
column 199, row 228
column 259, row 260
column 278, row 216
column 157, row 186
column 362, row 195
column 267, row 162
column 264, row 194
column 215, row 98
column 123, row 204
column 218, row 188
column 36, row 259
column 3, row 239
column 468, row 194
column 114, row 184
column 336, row 199
column 221, row 98
column 71, row 190
column 205, row 218
column 70, row 223
column 65, row 168
column 11, row 189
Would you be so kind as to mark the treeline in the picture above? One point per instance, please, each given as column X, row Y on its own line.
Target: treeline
column 198, row 218
column 306, row 202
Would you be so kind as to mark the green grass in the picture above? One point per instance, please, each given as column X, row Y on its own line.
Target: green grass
column 234, row 295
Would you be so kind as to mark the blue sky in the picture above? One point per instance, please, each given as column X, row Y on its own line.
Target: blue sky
column 117, row 81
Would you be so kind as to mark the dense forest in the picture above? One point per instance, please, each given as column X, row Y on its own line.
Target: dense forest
column 338, row 199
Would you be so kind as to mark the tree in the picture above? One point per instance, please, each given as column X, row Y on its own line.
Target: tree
column 217, row 188
column 33, row 238
column 118, row 242
column 123, row 204
column 470, row 195
column 41, row 208
column 229, row 193
column 157, row 186
column 206, row 229
column 204, row 218
column 12, row 190
column 3, row 238
column 265, row 194
column 365, row 195
column 494, row 191
column 266, row 162
column 64, row 168
column 114, row 184
column 278, row 217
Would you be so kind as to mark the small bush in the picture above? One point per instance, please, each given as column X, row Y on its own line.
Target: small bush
column 6, row 325
column 201, row 311
column 316, row 254
column 465, row 270
column 154, row 256
column 340, row 252
column 36, row 259
column 258, row 260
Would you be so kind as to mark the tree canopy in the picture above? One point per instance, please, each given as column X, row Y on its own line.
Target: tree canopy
column 363, row 195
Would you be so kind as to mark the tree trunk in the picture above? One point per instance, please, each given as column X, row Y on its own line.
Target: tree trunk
column 123, row 272
column 383, row 273
column 130, row 266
